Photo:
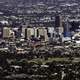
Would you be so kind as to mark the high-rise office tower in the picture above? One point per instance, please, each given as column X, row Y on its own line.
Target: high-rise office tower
column 46, row 36
column 23, row 33
column 58, row 27
column 66, row 28
column 1, row 32
column 6, row 32
column 36, row 32
column 57, row 20
column 42, row 32
column 58, row 24
column 28, row 32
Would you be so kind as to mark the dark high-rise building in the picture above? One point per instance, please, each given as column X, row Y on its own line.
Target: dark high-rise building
column 57, row 21
column 1, row 32
column 25, row 33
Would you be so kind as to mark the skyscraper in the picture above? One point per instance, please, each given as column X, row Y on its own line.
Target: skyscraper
column 57, row 20
column 6, row 32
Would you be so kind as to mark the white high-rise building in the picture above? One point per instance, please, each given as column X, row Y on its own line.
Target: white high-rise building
column 6, row 32
column 28, row 32
column 42, row 31
column 36, row 32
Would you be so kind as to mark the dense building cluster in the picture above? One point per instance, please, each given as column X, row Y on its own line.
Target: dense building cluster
column 39, row 40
